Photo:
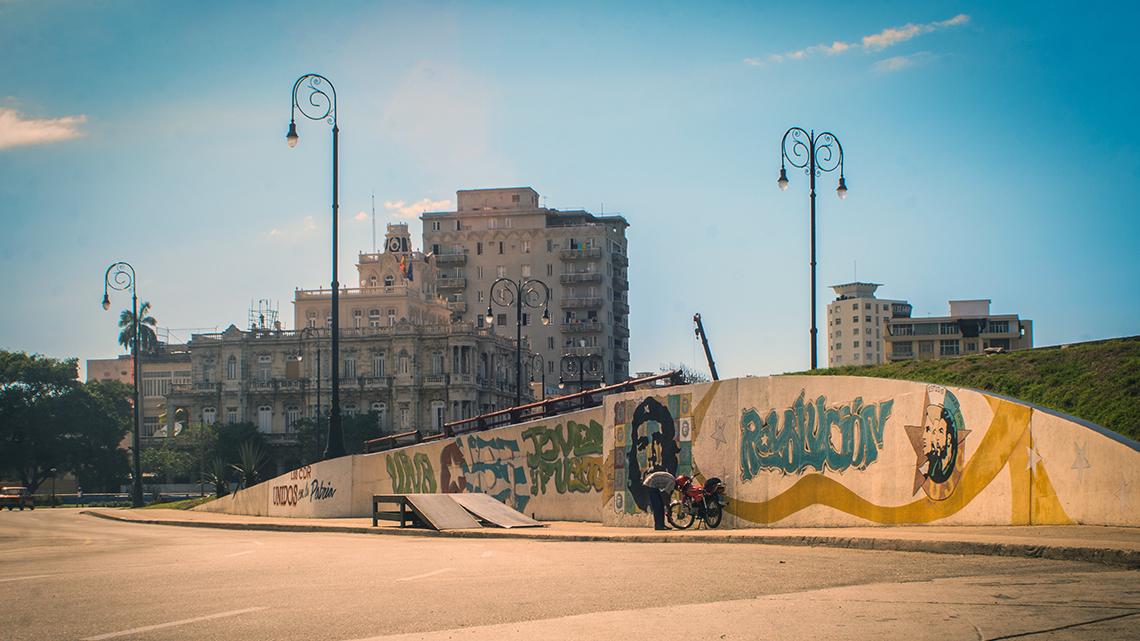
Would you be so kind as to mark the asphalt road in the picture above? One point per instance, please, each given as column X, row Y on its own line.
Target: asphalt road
column 64, row 575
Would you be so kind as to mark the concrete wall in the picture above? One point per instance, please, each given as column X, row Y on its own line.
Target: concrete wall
column 792, row 451
column 841, row 451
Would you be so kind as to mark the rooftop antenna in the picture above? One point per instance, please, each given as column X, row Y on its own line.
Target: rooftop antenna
column 373, row 222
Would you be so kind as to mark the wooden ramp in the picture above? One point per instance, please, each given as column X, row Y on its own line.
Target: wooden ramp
column 439, row 512
column 487, row 508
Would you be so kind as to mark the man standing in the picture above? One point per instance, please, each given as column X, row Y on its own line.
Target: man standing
column 659, row 486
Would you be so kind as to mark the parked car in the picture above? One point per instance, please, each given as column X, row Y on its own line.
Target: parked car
column 20, row 497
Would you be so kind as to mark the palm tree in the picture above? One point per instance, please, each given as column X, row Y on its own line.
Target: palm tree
column 148, row 340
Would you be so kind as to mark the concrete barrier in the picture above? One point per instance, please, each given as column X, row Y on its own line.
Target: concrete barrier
column 793, row 452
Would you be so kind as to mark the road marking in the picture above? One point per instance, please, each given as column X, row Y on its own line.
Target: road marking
column 241, row 553
column 111, row 635
column 21, row 578
column 424, row 576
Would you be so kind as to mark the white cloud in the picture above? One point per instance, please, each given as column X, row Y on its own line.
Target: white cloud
column 402, row 210
column 294, row 231
column 16, row 131
column 361, row 216
column 870, row 44
column 902, row 62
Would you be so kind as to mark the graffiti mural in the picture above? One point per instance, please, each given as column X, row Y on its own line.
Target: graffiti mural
column 411, row 475
column 655, row 432
column 303, row 488
column 939, row 444
column 812, row 436
column 486, row 465
column 569, row 453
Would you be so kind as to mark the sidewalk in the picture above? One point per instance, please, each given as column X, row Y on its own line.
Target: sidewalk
column 1116, row 546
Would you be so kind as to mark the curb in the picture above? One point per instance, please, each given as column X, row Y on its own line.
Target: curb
column 1115, row 557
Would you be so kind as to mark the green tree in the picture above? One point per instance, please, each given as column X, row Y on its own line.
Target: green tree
column 48, row 419
column 148, row 340
column 230, row 438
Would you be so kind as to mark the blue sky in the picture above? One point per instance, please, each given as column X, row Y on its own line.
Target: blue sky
column 990, row 152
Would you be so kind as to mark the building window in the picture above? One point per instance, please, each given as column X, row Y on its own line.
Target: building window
column 526, row 246
column 381, row 415
column 948, row 328
column 549, row 269
column 856, row 344
column 265, row 419
column 378, row 365
column 549, row 342
column 949, row 347
column 854, row 319
column 437, row 363
column 264, row 363
column 867, row 306
column 231, row 368
column 292, row 415
column 231, row 415
column 501, row 320
column 855, row 306
column 838, row 321
column 839, row 358
column 500, row 246
column 350, row 409
column 350, row 368
column 391, row 317
column 838, row 346
column 903, row 348
column 926, row 348
column 549, row 244
column 209, row 415
column 501, row 271
column 437, row 415
column 971, row 346
column 374, row 318
column 526, row 271
column 868, row 319
column 357, row 317
column 403, row 364
column 435, row 225
column 998, row 327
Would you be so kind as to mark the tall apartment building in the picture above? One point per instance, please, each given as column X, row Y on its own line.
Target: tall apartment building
column 969, row 329
column 582, row 258
column 856, row 324
column 166, row 366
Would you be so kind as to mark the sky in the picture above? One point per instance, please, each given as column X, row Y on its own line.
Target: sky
column 990, row 152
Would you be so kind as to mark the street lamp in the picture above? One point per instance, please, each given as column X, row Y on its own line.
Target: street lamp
column 322, row 106
column 300, row 336
column 520, row 293
column 814, row 154
column 119, row 277
column 538, row 362
column 581, row 361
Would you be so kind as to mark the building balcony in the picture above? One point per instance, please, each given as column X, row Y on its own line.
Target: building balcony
column 619, row 259
column 621, row 307
column 280, row 438
column 620, row 284
column 581, row 326
column 575, row 303
column 586, row 277
column 621, row 331
column 435, row 380
column 457, row 306
column 463, row 379
column 576, row 254
column 621, row 355
column 451, row 283
column 582, row 351
column 451, row 259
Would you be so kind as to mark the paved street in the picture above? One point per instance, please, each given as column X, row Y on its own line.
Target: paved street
column 65, row 575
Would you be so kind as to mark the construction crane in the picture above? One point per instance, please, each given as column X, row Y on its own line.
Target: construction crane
column 700, row 332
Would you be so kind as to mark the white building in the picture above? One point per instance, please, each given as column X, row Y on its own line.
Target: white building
column 856, row 324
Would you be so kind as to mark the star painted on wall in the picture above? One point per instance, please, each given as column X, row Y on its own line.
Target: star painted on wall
column 1124, row 495
column 718, row 434
column 1034, row 457
column 1082, row 463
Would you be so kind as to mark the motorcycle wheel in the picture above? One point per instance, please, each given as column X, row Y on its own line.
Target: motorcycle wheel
column 679, row 515
column 713, row 513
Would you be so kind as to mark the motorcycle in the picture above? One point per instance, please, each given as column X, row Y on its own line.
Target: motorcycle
column 704, row 502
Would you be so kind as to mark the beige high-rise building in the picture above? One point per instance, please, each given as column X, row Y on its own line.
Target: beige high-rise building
column 582, row 258
column 856, row 324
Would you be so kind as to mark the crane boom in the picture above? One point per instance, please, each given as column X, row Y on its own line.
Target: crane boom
column 700, row 331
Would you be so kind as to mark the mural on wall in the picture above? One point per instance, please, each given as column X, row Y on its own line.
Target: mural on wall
column 485, row 465
column 570, row 453
column 411, row 475
column 655, row 432
column 939, row 444
column 812, row 436
column 302, row 488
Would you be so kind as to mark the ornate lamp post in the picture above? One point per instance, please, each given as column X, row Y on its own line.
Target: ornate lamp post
column 119, row 277
column 581, row 362
column 814, row 154
column 321, row 105
column 520, row 293
column 537, row 362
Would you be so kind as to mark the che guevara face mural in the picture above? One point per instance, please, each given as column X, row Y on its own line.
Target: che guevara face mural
column 939, row 444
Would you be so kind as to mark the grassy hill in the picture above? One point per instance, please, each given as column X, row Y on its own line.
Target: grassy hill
column 1098, row 381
